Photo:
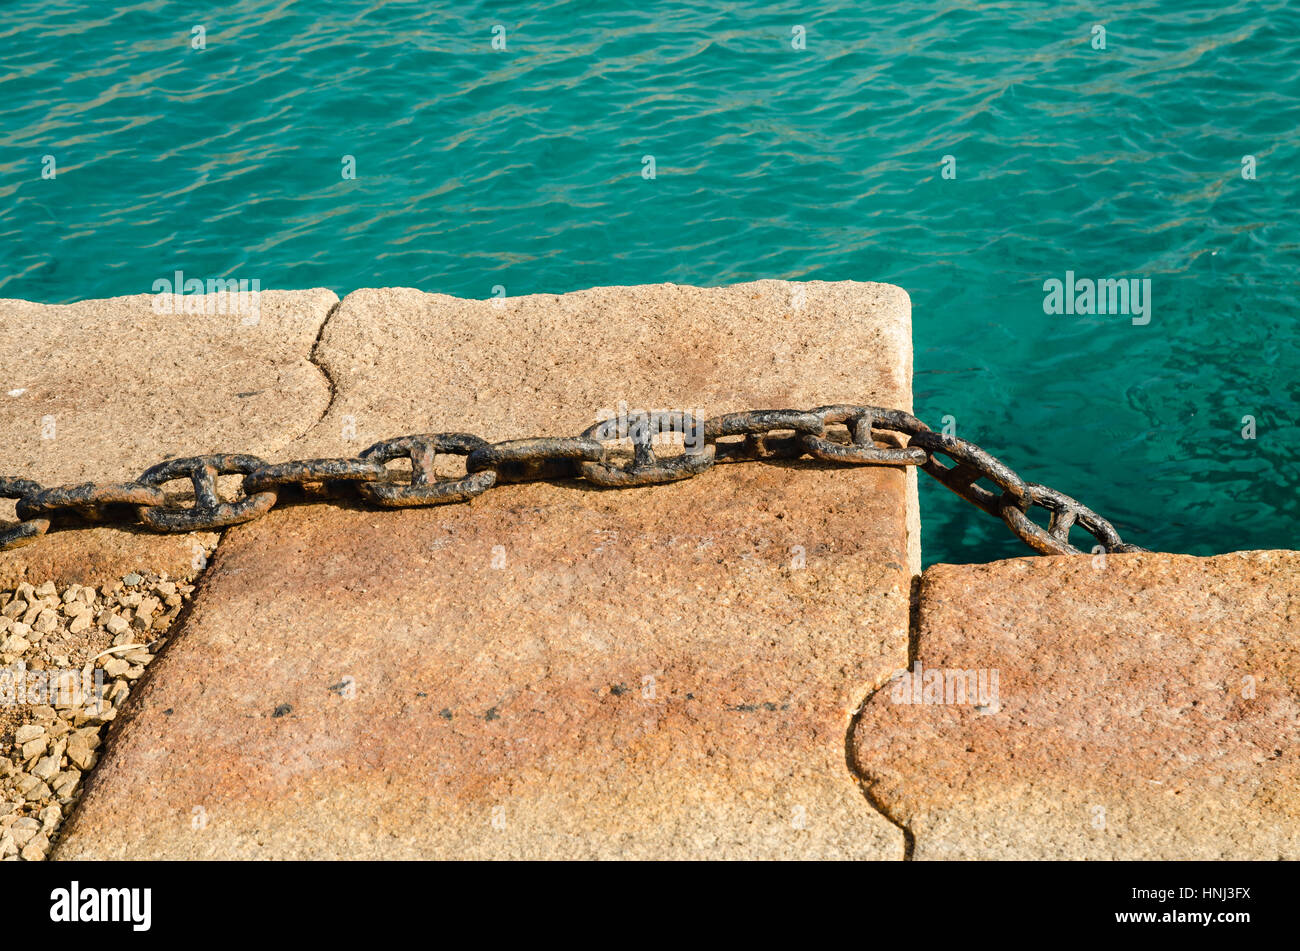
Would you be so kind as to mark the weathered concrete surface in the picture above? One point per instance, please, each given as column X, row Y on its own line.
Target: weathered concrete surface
column 97, row 389
column 658, row 672
column 100, row 555
column 1149, row 709
column 404, row 361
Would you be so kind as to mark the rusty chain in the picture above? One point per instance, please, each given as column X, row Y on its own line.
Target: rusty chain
column 839, row 434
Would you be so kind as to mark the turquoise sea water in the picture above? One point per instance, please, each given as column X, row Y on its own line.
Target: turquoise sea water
column 523, row 167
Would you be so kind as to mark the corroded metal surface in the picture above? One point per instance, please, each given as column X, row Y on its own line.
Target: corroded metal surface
column 208, row 511
column 425, row 488
column 646, row 468
column 27, row 530
column 842, row 434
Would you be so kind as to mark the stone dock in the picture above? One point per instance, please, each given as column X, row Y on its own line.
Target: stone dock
column 711, row 668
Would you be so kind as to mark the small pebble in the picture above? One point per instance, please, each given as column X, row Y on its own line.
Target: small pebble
column 115, row 667
column 33, row 748
column 64, row 783
column 82, row 757
column 13, row 644
column 46, row 769
column 36, row 848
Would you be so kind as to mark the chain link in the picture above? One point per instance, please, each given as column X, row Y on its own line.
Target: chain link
column 838, row 434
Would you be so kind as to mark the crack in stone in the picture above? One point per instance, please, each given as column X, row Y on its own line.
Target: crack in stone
column 850, row 759
column 868, row 793
column 314, row 359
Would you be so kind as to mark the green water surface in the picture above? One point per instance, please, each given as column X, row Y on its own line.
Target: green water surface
column 522, row 167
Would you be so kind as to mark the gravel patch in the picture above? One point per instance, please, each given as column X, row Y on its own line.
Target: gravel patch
column 68, row 661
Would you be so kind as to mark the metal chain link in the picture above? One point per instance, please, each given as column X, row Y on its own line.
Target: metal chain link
column 843, row 434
